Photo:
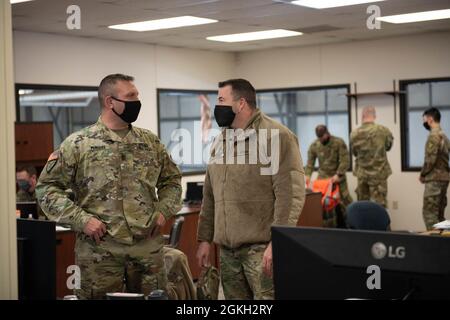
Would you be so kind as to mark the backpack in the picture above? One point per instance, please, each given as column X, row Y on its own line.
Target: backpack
column 330, row 193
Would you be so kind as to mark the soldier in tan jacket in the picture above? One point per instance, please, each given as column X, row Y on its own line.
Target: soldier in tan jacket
column 244, row 195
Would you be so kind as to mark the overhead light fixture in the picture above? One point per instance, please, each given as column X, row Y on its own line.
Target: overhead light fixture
column 18, row 1
column 417, row 16
column 160, row 24
column 258, row 35
column 324, row 4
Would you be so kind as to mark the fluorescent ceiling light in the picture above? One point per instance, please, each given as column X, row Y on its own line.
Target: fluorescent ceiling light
column 323, row 4
column 417, row 16
column 258, row 35
column 168, row 23
column 18, row 1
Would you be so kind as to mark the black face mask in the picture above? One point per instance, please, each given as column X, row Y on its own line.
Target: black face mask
column 426, row 126
column 130, row 112
column 23, row 185
column 224, row 115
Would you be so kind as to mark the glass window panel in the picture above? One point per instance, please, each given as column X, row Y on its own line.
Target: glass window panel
column 69, row 110
column 338, row 126
column 337, row 100
column 441, row 93
column 418, row 95
column 417, row 103
column 310, row 101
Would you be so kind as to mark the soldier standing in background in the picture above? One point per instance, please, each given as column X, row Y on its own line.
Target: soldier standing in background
column 114, row 169
column 370, row 143
column 334, row 161
column 435, row 170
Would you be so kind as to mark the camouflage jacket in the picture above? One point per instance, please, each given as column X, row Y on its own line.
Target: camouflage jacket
column 113, row 180
column 369, row 144
column 333, row 158
column 437, row 148
column 24, row 196
column 240, row 204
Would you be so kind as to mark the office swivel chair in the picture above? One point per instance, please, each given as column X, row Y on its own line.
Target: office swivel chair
column 367, row 215
column 175, row 232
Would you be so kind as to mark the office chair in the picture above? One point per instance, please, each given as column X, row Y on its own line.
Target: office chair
column 175, row 232
column 367, row 215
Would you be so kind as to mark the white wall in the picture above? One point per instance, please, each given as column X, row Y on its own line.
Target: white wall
column 52, row 59
column 61, row 60
column 373, row 65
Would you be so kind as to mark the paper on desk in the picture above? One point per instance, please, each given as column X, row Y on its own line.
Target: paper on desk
column 443, row 225
column 61, row 228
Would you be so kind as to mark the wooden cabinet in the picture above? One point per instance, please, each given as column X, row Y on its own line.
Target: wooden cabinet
column 34, row 142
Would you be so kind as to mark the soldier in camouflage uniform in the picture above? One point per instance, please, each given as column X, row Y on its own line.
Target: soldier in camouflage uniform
column 370, row 143
column 435, row 170
column 114, row 169
column 240, row 204
column 26, row 180
column 334, row 161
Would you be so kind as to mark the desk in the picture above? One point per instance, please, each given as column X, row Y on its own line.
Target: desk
column 188, row 238
column 65, row 256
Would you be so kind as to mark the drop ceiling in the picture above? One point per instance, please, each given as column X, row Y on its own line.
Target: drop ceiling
column 342, row 24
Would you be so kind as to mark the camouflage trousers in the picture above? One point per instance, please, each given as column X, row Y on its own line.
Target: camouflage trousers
column 242, row 275
column 114, row 267
column 372, row 190
column 434, row 202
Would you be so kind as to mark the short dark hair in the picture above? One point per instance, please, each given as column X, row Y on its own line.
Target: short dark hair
column 106, row 87
column 28, row 169
column 434, row 113
column 241, row 88
column 321, row 129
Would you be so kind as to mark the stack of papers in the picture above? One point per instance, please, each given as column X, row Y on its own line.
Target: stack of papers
column 61, row 228
column 443, row 225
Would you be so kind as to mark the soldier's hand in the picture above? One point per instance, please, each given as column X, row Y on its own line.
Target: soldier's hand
column 267, row 261
column 95, row 229
column 203, row 254
column 335, row 179
column 159, row 224
column 421, row 179
column 307, row 179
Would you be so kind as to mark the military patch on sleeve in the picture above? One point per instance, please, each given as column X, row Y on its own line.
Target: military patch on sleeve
column 52, row 160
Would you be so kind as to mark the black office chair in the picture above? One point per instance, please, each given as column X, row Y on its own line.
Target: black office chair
column 175, row 232
column 367, row 215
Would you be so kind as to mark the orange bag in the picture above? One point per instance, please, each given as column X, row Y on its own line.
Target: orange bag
column 330, row 193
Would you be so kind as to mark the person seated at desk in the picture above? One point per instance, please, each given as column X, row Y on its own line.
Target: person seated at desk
column 26, row 177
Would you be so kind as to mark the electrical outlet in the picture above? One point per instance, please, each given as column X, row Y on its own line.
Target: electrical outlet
column 395, row 205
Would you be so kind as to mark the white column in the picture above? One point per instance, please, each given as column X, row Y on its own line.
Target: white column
column 8, row 242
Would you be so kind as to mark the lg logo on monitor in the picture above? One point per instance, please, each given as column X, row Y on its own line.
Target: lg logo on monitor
column 380, row 251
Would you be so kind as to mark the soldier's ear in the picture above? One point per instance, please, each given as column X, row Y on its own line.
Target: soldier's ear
column 108, row 102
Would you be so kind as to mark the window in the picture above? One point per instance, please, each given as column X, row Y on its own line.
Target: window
column 180, row 126
column 419, row 96
column 302, row 109
column 70, row 108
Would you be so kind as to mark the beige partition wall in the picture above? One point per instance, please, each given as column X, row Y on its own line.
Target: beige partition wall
column 8, row 251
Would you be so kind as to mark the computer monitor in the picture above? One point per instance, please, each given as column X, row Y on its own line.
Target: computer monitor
column 194, row 192
column 27, row 209
column 317, row 263
column 36, row 259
